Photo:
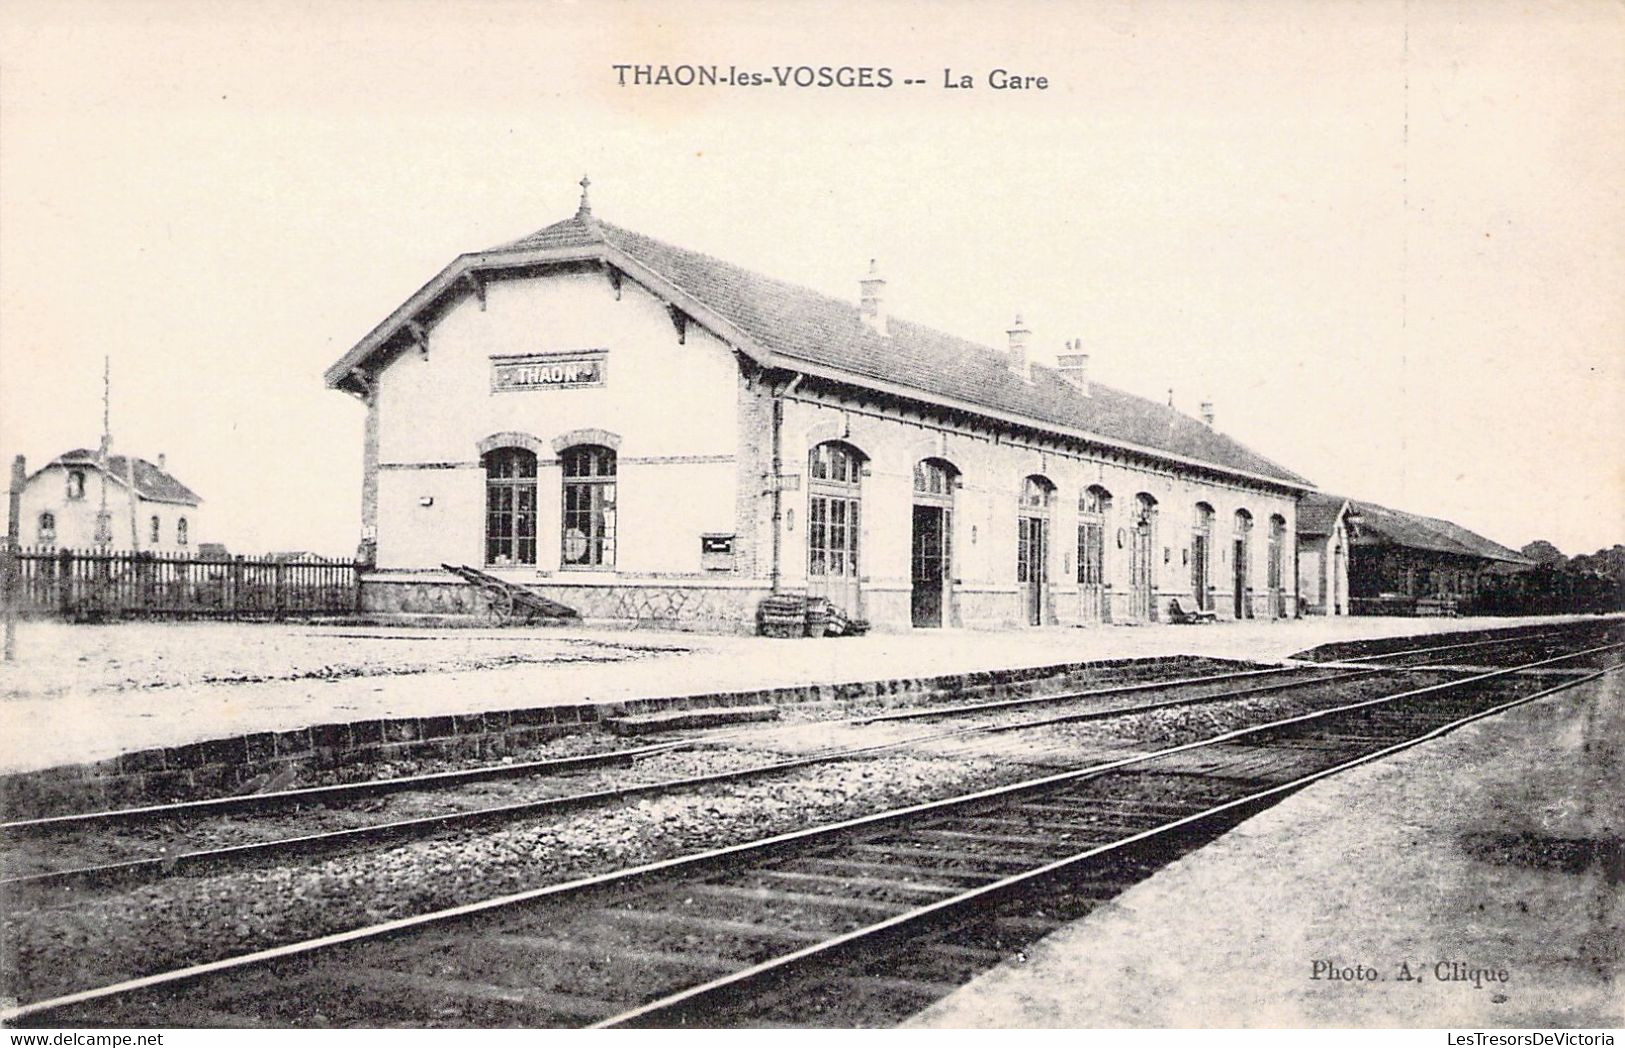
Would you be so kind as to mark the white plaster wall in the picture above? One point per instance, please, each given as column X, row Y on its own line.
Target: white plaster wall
column 672, row 405
column 986, row 509
column 47, row 491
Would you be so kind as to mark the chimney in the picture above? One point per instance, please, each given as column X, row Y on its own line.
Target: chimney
column 1018, row 348
column 872, row 300
column 162, row 459
column 1074, row 366
column 1207, row 413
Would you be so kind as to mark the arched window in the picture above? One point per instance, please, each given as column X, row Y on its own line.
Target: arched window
column 1036, row 493
column 1093, row 505
column 47, row 529
column 155, row 529
column 180, row 532
column 76, row 484
column 934, row 478
column 834, row 495
column 589, row 506
column 510, row 506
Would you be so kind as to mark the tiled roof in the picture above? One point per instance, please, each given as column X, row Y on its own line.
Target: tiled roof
column 150, row 482
column 1318, row 512
column 1396, row 527
column 802, row 324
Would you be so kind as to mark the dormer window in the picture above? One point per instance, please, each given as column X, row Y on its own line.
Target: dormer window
column 76, row 484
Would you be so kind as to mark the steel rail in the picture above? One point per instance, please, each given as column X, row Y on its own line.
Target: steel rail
column 712, row 856
column 151, row 867
column 698, row 996
column 457, row 777
column 610, row 758
column 945, row 711
column 1455, row 647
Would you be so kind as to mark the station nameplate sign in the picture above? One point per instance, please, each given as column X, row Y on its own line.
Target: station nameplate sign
column 548, row 371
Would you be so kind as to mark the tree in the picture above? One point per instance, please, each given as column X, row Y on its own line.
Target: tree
column 1545, row 554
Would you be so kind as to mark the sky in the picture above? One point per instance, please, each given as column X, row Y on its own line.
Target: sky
column 1386, row 239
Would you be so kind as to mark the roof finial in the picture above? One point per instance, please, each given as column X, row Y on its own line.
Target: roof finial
column 586, row 206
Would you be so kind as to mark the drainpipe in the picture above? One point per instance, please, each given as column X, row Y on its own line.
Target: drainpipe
column 777, row 477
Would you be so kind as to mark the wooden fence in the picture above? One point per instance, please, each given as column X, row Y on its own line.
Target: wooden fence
column 79, row 584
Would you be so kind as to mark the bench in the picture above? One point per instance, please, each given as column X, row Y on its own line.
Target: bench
column 1179, row 616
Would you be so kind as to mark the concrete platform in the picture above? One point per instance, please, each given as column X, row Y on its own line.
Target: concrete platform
column 87, row 693
column 1496, row 847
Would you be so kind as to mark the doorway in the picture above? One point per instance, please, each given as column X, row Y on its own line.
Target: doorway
column 1142, row 564
column 931, row 572
column 1031, row 554
column 931, row 563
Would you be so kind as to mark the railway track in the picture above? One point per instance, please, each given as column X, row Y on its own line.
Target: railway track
column 684, row 940
column 179, row 860
column 619, row 757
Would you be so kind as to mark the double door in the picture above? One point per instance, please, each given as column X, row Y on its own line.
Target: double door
column 931, row 566
column 1032, row 558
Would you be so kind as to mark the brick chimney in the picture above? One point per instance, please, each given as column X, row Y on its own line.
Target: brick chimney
column 872, row 300
column 1074, row 365
column 1207, row 413
column 1018, row 348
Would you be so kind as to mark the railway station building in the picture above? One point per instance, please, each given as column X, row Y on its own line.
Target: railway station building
column 1323, row 554
column 1407, row 564
column 644, row 432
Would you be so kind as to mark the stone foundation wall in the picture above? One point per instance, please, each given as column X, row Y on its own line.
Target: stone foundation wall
column 678, row 604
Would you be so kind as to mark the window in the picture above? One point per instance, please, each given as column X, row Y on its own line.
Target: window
column 156, row 530
column 833, row 495
column 1093, row 506
column 180, row 531
column 836, row 463
column 1036, row 492
column 47, row 529
column 76, row 484
column 510, row 506
column 589, row 507
column 933, row 477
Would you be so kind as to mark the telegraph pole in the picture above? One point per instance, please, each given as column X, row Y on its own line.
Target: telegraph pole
column 19, row 476
column 104, row 519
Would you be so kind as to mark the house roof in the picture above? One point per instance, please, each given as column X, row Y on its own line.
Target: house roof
column 1396, row 527
column 1318, row 513
column 787, row 326
column 151, row 482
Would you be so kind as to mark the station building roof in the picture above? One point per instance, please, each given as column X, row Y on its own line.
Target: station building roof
column 152, row 482
column 783, row 325
column 1318, row 513
column 1383, row 526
